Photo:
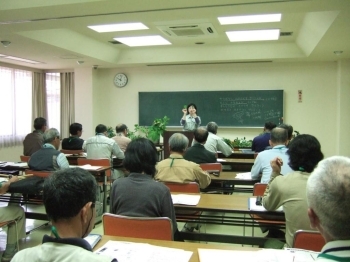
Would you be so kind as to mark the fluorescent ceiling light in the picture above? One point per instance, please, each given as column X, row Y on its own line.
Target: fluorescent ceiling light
column 143, row 40
column 118, row 27
column 253, row 35
column 249, row 19
column 20, row 59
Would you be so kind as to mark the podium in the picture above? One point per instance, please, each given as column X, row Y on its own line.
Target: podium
column 168, row 134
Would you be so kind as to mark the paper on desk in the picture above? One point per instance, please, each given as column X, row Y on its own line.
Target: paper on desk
column 265, row 255
column 90, row 167
column 21, row 164
column 135, row 252
column 182, row 199
column 247, row 175
column 253, row 206
column 220, row 160
column 3, row 179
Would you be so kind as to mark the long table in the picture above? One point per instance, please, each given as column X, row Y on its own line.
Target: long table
column 227, row 181
column 233, row 206
column 193, row 247
column 242, row 165
column 99, row 173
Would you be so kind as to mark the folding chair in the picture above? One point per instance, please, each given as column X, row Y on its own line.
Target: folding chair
column 192, row 187
column 309, row 240
column 259, row 190
column 138, row 227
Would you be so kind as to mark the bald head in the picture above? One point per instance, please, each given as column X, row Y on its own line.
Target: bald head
column 201, row 135
column 279, row 136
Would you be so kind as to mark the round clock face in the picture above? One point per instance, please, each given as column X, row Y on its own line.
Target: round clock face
column 120, row 80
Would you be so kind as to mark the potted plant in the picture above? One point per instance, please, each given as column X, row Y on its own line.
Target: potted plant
column 152, row 132
column 242, row 143
column 110, row 132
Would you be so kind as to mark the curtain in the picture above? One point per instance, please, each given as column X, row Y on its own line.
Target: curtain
column 15, row 105
column 67, row 102
column 39, row 108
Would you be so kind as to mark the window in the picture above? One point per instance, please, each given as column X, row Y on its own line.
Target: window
column 15, row 105
column 53, row 95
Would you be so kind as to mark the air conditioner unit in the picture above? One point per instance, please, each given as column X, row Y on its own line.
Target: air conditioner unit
column 189, row 30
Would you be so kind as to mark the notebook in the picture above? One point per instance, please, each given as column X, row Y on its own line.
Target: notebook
column 93, row 239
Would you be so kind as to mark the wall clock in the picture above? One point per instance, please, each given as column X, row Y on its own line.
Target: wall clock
column 120, row 80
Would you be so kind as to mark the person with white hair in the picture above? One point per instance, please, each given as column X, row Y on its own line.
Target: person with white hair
column 48, row 158
column 328, row 196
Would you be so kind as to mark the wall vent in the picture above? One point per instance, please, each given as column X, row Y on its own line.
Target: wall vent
column 189, row 30
column 286, row 33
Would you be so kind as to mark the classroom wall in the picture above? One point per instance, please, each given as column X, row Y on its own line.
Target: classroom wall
column 316, row 114
column 324, row 111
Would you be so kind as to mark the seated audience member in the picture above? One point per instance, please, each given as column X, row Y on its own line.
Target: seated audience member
column 138, row 195
column 215, row 143
column 328, row 195
column 197, row 152
column 262, row 141
column 178, row 170
column 290, row 191
column 74, row 142
column 262, row 165
column 7, row 213
column 121, row 138
column 289, row 129
column 101, row 146
column 35, row 140
column 48, row 158
column 71, row 220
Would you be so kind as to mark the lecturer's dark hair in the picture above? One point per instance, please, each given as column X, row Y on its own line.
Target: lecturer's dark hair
column 304, row 153
column 191, row 104
column 66, row 191
column 141, row 156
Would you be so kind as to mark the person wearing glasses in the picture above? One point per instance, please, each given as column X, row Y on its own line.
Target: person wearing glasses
column 71, row 220
column 48, row 158
column 190, row 120
column 122, row 136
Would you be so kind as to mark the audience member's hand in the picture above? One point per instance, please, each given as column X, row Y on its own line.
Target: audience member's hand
column 184, row 111
column 276, row 164
column 13, row 179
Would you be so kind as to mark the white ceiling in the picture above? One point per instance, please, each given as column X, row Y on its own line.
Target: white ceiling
column 56, row 34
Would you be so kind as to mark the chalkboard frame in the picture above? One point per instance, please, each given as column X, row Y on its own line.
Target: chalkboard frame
column 242, row 103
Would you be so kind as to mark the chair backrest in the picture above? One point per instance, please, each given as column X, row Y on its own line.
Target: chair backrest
column 95, row 162
column 38, row 173
column 25, row 158
column 191, row 187
column 139, row 227
column 211, row 166
column 259, row 189
column 309, row 240
column 74, row 152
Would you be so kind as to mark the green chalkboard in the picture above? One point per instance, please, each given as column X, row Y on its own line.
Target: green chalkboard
column 243, row 108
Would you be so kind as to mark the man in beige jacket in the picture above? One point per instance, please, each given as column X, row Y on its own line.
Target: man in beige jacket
column 178, row 170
